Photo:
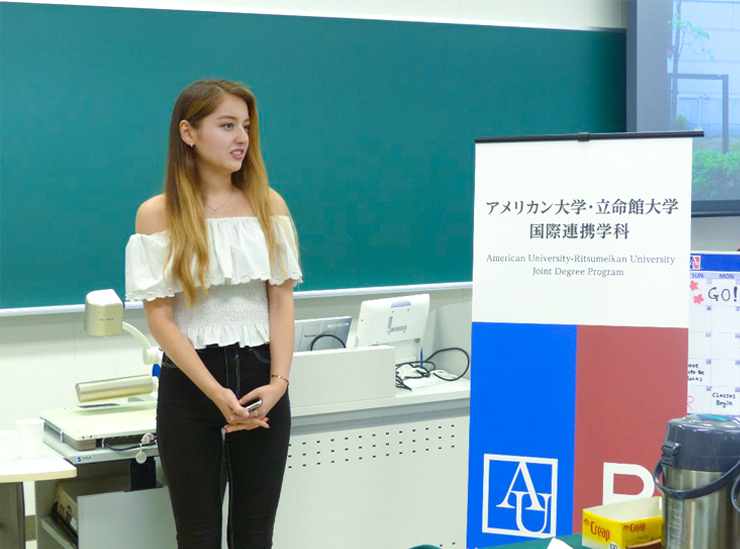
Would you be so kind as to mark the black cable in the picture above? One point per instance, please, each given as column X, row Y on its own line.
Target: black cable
column 425, row 373
column 344, row 345
column 428, row 372
column 400, row 384
column 463, row 351
column 415, row 363
column 107, row 446
column 112, row 449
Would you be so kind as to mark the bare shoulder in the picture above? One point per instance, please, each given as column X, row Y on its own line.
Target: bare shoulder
column 277, row 204
column 151, row 217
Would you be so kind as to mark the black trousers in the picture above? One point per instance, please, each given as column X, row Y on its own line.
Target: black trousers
column 197, row 458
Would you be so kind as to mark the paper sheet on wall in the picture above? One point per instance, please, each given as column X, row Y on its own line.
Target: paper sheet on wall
column 714, row 334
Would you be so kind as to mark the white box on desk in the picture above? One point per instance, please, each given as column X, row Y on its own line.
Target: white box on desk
column 342, row 375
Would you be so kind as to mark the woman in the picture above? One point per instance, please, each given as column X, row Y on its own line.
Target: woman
column 214, row 260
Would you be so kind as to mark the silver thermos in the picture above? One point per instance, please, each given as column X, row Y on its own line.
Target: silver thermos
column 700, row 465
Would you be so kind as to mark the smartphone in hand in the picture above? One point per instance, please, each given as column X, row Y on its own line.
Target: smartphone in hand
column 253, row 405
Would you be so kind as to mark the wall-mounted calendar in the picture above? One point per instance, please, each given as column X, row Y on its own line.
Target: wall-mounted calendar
column 714, row 334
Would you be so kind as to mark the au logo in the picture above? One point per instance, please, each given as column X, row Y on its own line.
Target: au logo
column 520, row 496
column 696, row 263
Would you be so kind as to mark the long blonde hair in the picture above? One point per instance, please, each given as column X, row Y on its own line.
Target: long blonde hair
column 184, row 201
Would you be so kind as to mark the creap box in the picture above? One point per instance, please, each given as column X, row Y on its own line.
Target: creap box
column 623, row 525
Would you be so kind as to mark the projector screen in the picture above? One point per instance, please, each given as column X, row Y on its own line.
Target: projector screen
column 683, row 73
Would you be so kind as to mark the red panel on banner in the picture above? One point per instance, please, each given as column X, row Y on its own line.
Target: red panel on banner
column 629, row 383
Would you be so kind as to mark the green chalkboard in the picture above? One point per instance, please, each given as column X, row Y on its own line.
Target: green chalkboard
column 368, row 131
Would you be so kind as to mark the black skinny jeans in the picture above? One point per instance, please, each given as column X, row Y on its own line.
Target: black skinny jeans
column 197, row 458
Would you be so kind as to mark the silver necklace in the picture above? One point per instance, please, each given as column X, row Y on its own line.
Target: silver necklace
column 216, row 209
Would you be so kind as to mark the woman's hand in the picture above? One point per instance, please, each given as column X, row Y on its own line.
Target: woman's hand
column 269, row 394
column 234, row 412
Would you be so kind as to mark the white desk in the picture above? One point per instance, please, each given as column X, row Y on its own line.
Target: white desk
column 381, row 472
column 14, row 471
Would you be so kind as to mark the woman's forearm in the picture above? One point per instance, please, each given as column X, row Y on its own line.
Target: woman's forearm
column 282, row 330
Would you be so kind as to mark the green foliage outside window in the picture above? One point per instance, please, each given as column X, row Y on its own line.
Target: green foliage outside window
column 716, row 176
column 681, row 123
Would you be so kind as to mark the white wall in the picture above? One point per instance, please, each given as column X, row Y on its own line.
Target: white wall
column 547, row 13
column 42, row 357
column 715, row 234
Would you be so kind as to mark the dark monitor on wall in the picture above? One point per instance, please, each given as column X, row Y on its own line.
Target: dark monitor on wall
column 683, row 73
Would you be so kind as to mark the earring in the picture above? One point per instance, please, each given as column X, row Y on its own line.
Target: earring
column 192, row 145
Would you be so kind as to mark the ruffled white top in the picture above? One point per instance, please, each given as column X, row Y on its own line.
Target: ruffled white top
column 235, row 310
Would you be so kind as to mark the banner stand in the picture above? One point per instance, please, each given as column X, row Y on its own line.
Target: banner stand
column 580, row 325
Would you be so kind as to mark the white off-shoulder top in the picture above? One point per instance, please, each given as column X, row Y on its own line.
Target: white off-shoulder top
column 235, row 310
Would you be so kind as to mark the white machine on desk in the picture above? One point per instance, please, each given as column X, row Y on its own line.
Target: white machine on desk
column 397, row 321
column 365, row 371
column 98, row 419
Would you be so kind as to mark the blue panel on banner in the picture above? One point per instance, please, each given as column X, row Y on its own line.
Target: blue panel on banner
column 727, row 263
column 522, row 432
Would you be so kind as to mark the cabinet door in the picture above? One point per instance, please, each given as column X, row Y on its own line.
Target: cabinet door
column 122, row 520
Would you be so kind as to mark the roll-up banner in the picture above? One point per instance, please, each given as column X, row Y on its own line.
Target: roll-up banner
column 580, row 325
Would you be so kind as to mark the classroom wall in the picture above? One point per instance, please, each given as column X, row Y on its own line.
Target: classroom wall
column 43, row 356
column 711, row 234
